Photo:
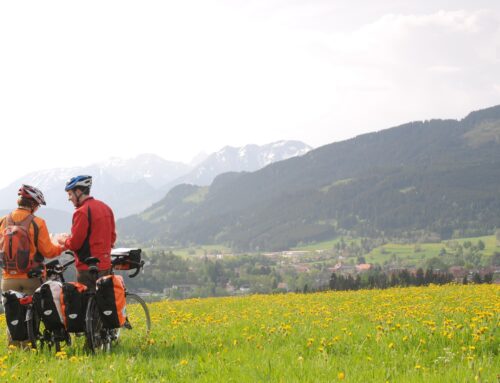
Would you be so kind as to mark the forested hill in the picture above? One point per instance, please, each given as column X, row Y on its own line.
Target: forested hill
column 438, row 176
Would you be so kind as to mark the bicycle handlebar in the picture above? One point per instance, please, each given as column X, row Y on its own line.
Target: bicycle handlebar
column 56, row 268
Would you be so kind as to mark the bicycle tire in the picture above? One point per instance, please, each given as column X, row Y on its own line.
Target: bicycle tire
column 138, row 325
column 94, row 330
column 33, row 325
column 60, row 336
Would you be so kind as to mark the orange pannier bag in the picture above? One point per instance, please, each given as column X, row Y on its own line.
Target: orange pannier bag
column 73, row 306
column 110, row 299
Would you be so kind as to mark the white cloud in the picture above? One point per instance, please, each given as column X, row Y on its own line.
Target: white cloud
column 445, row 69
column 85, row 81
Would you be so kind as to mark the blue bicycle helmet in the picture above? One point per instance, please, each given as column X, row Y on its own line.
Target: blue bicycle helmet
column 79, row 181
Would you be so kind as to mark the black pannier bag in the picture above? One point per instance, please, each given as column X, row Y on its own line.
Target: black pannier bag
column 110, row 299
column 48, row 305
column 15, row 315
column 73, row 306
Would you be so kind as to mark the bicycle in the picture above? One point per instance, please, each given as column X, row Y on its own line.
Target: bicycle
column 38, row 334
column 101, row 338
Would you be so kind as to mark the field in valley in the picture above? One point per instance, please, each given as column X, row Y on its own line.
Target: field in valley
column 427, row 334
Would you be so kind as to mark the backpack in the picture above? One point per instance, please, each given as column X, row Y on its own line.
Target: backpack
column 73, row 306
column 47, row 301
column 110, row 299
column 15, row 314
column 15, row 246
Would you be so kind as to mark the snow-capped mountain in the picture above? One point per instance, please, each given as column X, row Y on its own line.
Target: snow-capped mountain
column 127, row 185
column 130, row 186
column 247, row 158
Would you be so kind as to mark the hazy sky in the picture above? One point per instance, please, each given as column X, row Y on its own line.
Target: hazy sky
column 83, row 81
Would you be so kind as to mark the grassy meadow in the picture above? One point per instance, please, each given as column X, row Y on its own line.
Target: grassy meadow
column 412, row 254
column 427, row 334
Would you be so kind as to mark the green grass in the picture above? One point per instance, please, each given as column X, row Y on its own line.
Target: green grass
column 427, row 334
column 326, row 245
column 195, row 251
column 406, row 252
column 198, row 196
column 411, row 254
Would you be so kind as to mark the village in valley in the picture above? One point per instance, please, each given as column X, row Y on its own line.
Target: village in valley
column 363, row 263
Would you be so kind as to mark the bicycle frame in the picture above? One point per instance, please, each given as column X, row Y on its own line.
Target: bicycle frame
column 50, row 337
column 99, row 337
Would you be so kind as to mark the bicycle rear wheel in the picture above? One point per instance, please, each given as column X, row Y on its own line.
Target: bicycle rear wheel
column 97, row 336
column 138, row 325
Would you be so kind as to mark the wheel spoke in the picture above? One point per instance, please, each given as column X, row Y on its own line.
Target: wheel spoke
column 138, row 325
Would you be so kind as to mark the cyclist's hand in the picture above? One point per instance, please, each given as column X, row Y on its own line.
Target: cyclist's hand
column 61, row 238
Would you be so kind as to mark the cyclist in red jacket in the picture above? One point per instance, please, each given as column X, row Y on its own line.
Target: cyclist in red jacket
column 93, row 230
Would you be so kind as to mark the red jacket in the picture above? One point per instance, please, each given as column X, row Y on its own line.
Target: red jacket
column 96, row 242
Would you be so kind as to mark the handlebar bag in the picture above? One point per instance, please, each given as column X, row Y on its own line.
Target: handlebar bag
column 15, row 314
column 130, row 261
column 110, row 299
column 47, row 300
column 73, row 304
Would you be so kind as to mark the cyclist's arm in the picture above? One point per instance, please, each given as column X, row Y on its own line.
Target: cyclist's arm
column 113, row 231
column 79, row 231
column 45, row 245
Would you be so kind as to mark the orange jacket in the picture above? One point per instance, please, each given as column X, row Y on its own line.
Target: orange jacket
column 45, row 245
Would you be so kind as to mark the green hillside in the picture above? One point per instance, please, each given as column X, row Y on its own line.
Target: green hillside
column 440, row 177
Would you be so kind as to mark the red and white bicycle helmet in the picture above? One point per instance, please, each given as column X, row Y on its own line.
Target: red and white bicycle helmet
column 33, row 193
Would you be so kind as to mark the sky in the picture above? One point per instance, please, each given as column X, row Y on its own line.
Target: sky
column 84, row 81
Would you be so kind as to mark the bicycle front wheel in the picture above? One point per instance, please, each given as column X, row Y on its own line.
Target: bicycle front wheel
column 138, row 324
column 35, row 328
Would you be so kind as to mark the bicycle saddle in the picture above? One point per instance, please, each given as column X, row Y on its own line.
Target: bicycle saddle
column 91, row 261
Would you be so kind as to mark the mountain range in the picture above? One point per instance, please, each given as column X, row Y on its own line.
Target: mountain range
column 438, row 177
column 131, row 185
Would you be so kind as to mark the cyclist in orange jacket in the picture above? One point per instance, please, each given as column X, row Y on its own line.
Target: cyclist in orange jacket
column 93, row 231
column 40, row 245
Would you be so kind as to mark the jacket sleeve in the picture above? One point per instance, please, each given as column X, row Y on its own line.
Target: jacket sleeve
column 45, row 245
column 113, row 232
column 79, row 231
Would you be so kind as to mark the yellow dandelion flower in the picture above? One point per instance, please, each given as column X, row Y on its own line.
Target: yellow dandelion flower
column 341, row 375
column 61, row 355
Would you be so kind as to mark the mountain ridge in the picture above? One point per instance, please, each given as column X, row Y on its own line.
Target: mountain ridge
column 350, row 186
column 127, row 185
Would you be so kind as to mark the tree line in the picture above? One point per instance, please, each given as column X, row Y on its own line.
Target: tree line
column 379, row 279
